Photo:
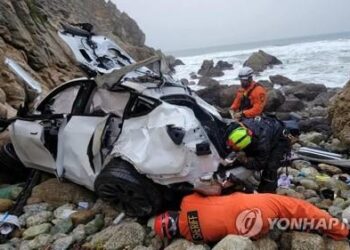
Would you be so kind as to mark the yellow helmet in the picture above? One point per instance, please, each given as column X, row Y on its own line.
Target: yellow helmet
column 239, row 138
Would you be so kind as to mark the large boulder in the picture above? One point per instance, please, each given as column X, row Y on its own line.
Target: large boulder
column 340, row 115
column 307, row 91
column 323, row 99
column 282, row 80
column 291, row 105
column 208, row 69
column 223, row 65
column 275, row 99
column 318, row 124
column 208, row 82
column 259, row 61
column 221, row 96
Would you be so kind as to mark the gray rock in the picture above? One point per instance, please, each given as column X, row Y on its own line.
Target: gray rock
column 300, row 164
column 63, row 243
column 289, row 192
column 184, row 244
column 39, row 218
column 79, row 233
column 259, row 61
column 223, row 65
column 317, row 111
column 193, row 75
column 40, row 241
column 208, row 82
column 346, row 214
column 7, row 246
column 291, row 104
column 314, row 200
column 309, row 193
column 62, row 226
column 309, row 184
column 95, row 225
column 335, row 211
column 221, row 96
column 310, row 171
column 265, row 244
column 61, row 212
column 126, row 235
column 275, row 99
column 313, row 137
column 337, row 245
column 207, row 69
column 300, row 189
column 34, row 231
column 24, row 245
column 302, row 241
column 282, row 80
column 231, row 242
column 336, row 146
column 332, row 170
column 37, row 208
column 266, row 84
column 307, row 91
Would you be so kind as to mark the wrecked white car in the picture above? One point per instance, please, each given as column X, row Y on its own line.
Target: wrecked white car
column 130, row 134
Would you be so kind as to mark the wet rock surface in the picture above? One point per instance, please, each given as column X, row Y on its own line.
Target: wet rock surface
column 259, row 61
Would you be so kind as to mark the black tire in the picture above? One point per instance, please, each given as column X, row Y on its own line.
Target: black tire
column 11, row 168
column 120, row 182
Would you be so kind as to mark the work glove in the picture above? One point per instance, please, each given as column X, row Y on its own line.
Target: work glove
column 242, row 158
column 238, row 116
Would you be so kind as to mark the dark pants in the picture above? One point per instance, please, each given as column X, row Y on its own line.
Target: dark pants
column 269, row 176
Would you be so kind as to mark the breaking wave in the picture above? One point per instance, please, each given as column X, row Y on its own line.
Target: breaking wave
column 326, row 62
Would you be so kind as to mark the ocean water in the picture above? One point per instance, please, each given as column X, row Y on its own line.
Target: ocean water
column 325, row 61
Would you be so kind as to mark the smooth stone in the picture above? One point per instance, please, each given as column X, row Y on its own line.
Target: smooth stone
column 79, row 233
column 82, row 217
column 39, row 218
column 235, row 242
column 309, row 184
column 309, row 193
column 36, row 208
column 64, row 211
column 300, row 164
column 63, row 243
column 265, row 244
column 5, row 205
column 40, row 241
column 62, row 226
column 34, row 231
column 335, row 211
column 302, row 241
column 330, row 169
column 95, row 225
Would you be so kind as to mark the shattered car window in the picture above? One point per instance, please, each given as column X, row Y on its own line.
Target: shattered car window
column 105, row 101
column 63, row 102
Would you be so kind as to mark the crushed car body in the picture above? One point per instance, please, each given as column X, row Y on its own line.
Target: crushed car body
column 123, row 120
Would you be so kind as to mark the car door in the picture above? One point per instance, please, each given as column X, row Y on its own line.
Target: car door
column 89, row 134
column 35, row 136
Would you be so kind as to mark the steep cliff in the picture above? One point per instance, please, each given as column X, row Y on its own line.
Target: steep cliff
column 28, row 33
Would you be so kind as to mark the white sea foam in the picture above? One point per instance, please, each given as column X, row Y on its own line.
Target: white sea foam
column 326, row 62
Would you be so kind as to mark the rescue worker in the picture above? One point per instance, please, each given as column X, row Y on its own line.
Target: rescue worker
column 262, row 144
column 209, row 219
column 250, row 98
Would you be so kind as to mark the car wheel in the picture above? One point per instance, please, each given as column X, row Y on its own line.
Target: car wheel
column 120, row 182
column 11, row 168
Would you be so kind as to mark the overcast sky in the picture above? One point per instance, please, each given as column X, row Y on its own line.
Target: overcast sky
column 182, row 24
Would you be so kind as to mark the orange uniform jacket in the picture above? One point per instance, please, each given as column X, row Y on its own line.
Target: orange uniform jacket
column 257, row 99
column 210, row 219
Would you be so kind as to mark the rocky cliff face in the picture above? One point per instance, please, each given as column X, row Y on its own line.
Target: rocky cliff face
column 28, row 34
column 340, row 116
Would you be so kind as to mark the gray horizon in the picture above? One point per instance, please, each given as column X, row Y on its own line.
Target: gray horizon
column 173, row 25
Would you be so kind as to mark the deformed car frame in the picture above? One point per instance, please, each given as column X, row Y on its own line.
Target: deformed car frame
column 128, row 133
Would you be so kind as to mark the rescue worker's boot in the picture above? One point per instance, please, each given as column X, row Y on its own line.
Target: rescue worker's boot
column 267, row 186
